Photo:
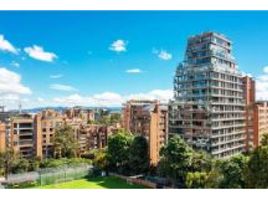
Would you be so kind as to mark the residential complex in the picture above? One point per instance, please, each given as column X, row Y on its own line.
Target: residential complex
column 213, row 109
column 2, row 137
column 21, row 136
column 149, row 119
column 260, row 121
column 249, row 96
column 208, row 110
column 31, row 135
column 49, row 121
column 93, row 136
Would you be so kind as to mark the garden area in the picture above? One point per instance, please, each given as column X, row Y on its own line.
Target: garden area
column 108, row 182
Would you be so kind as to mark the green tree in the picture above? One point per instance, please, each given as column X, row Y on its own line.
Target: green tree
column 100, row 159
column 200, row 162
column 20, row 165
column 257, row 173
column 233, row 171
column 118, row 152
column 65, row 143
column 34, row 164
column 7, row 159
column 176, row 160
column 196, row 179
column 139, row 155
column 264, row 141
column 115, row 118
column 104, row 120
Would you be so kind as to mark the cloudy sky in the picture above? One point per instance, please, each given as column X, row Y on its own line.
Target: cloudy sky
column 105, row 58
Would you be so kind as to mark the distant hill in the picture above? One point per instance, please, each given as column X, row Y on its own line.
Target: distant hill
column 61, row 109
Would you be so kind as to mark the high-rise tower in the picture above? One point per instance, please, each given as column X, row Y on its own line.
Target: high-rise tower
column 208, row 107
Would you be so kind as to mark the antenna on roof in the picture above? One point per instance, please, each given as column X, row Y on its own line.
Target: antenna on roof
column 2, row 108
column 20, row 107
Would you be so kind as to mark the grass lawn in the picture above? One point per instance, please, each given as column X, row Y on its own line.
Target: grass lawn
column 93, row 183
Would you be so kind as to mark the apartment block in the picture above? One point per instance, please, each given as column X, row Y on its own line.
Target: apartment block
column 22, row 131
column 208, row 109
column 2, row 137
column 78, row 112
column 92, row 136
column 249, row 97
column 149, row 119
column 49, row 122
column 260, row 125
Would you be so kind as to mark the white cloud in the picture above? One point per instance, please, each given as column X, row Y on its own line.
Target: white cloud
column 112, row 99
column 62, row 87
column 72, row 100
column 162, row 54
column 11, row 88
column 118, row 46
column 40, row 99
column 55, row 76
column 262, row 85
column 265, row 69
column 107, row 99
column 38, row 53
column 134, row 71
column 161, row 95
column 15, row 64
column 10, row 83
column 5, row 45
column 246, row 74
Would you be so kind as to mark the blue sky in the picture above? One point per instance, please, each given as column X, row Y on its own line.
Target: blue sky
column 72, row 57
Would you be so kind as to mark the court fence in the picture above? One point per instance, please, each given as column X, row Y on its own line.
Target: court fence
column 48, row 176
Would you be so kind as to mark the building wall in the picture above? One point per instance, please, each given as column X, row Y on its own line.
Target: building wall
column 154, row 138
column 22, row 135
column 249, row 96
column 260, row 121
column 208, row 110
column 149, row 119
column 38, row 143
column 92, row 136
column 49, row 122
column 2, row 137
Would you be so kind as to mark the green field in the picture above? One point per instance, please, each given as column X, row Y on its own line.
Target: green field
column 93, row 183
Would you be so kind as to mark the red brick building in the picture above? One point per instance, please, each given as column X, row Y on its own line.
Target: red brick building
column 149, row 119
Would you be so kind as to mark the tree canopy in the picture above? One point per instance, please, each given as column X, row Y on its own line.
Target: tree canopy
column 139, row 155
column 65, row 143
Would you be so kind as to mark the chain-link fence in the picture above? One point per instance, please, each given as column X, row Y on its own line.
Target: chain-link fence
column 52, row 176
column 49, row 176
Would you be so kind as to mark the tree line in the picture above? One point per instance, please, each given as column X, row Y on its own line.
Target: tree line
column 185, row 167
column 127, row 154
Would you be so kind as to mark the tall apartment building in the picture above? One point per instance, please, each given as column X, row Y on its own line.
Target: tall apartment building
column 22, row 135
column 49, row 122
column 149, row 119
column 260, row 122
column 2, row 137
column 249, row 96
column 208, row 106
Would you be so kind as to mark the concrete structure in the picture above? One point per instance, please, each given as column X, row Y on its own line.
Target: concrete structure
column 92, row 136
column 49, row 122
column 249, row 96
column 208, row 107
column 22, row 133
column 2, row 137
column 260, row 121
column 32, row 135
column 149, row 119
column 77, row 112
